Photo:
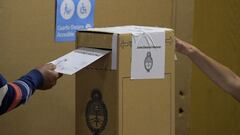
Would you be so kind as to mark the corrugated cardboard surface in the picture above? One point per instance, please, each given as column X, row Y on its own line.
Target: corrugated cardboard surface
column 139, row 118
column 135, row 106
column 27, row 40
column 217, row 33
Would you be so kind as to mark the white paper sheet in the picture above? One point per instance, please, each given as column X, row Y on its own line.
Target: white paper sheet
column 114, row 51
column 77, row 60
column 148, row 55
column 129, row 29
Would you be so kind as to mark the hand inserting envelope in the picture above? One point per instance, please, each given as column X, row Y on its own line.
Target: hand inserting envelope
column 77, row 60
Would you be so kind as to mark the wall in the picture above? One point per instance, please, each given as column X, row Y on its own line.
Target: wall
column 183, row 24
column 27, row 40
column 217, row 33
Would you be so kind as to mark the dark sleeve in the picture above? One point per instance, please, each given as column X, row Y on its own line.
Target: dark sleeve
column 18, row 92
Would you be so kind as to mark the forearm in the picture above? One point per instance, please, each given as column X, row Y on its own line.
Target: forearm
column 217, row 72
column 18, row 92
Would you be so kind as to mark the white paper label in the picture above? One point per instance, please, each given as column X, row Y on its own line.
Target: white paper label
column 114, row 51
column 148, row 55
column 77, row 60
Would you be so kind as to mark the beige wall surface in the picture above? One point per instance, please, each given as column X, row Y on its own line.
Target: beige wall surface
column 183, row 24
column 217, row 33
column 27, row 40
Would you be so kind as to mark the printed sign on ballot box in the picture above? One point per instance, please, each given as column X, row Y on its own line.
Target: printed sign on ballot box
column 73, row 15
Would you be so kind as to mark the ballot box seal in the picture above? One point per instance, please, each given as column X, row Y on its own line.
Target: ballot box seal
column 148, row 62
column 96, row 113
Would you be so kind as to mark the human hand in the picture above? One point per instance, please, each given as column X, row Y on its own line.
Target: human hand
column 184, row 47
column 49, row 75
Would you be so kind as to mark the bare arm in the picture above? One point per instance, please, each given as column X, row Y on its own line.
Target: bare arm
column 217, row 72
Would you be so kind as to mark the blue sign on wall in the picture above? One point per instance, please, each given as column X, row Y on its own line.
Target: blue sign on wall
column 73, row 15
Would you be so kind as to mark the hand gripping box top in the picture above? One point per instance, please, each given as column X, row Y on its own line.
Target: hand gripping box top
column 109, row 102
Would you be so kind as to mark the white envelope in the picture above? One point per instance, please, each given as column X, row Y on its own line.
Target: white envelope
column 77, row 60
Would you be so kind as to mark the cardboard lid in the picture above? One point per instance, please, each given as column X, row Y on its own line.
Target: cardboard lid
column 130, row 29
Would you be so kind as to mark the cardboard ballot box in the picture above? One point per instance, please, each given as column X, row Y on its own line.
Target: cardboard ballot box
column 109, row 102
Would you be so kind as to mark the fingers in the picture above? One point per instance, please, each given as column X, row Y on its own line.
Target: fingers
column 50, row 76
column 184, row 47
column 51, row 66
column 178, row 44
column 60, row 75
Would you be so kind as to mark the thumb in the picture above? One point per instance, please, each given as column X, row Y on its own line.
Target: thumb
column 51, row 66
